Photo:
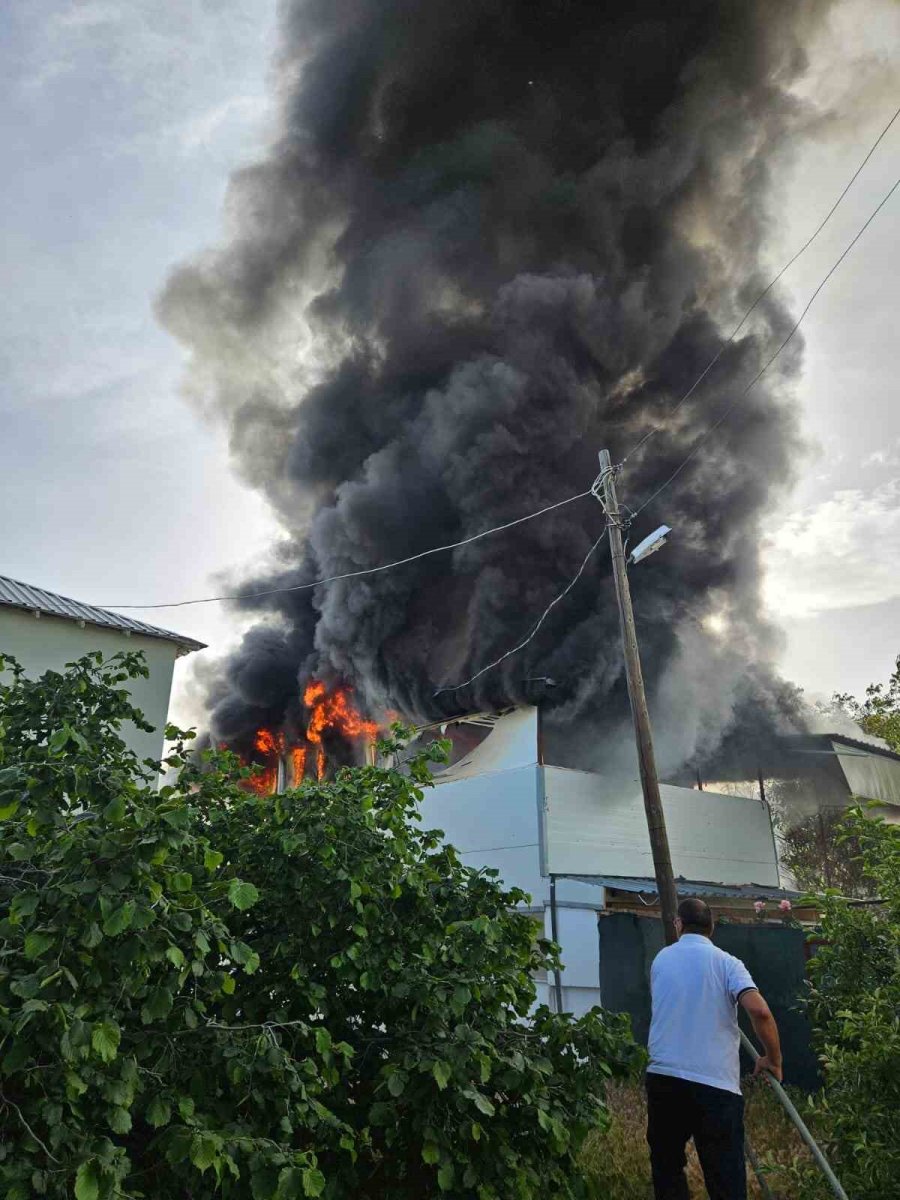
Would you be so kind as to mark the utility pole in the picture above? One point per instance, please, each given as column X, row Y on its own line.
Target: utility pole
column 656, row 821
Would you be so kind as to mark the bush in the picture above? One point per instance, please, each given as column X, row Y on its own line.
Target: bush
column 203, row 992
column 854, row 1005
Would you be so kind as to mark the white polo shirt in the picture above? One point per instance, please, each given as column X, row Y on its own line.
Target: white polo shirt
column 694, row 1030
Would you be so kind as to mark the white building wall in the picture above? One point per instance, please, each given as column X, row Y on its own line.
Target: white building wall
column 501, row 809
column 47, row 643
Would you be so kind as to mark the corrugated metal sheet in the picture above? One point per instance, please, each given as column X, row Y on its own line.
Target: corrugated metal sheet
column 689, row 887
column 15, row 594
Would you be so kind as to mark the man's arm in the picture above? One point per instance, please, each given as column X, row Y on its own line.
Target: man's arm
column 765, row 1029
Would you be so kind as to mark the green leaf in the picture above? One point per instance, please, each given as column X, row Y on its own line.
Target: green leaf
column 92, row 936
column 24, row 905
column 9, row 810
column 323, row 1041
column 37, row 944
column 87, row 1183
column 58, row 739
column 290, row 1184
column 484, row 1105
column 445, row 1177
column 313, row 1182
column 431, row 1152
column 159, row 1112
column 397, row 1083
column 460, row 998
column 204, row 1150
column 181, row 881
column 241, row 894
column 158, row 1004
column 441, row 1071
column 119, row 919
column 175, row 956
column 120, row 1120
column 105, row 1039
column 186, row 1107
column 115, row 810
column 75, row 1085
column 228, row 985
column 212, row 859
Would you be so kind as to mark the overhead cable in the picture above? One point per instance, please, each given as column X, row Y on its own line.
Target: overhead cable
column 759, row 374
column 541, row 620
column 400, row 562
column 762, row 295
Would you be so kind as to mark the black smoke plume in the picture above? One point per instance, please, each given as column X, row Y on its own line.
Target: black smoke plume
column 492, row 238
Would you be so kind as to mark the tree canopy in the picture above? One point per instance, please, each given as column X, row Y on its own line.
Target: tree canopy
column 204, row 992
column 879, row 713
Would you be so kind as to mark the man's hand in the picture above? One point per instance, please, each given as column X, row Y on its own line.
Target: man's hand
column 764, row 1063
column 766, row 1030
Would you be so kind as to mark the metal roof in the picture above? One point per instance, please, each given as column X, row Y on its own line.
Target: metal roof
column 15, row 594
column 865, row 747
column 689, row 887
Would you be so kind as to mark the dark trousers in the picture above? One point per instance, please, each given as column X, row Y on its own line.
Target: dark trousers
column 677, row 1110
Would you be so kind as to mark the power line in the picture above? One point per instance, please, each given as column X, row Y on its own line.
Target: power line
column 759, row 374
column 400, row 562
column 521, row 646
column 762, row 295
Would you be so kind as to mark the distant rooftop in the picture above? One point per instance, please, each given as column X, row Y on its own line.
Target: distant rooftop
column 861, row 746
column 15, row 594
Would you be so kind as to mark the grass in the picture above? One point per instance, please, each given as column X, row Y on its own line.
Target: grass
column 617, row 1167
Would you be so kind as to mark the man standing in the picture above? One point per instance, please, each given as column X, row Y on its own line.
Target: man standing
column 693, row 1080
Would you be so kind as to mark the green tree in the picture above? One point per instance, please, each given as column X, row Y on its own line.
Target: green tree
column 820, row 854
column 204, row 992
column 879, row 713
column 854, row 1005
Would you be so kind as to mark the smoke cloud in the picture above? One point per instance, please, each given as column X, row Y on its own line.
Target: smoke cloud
column 492, row 238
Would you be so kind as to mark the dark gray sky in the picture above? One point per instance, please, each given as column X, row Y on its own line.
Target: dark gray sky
column 120, row 124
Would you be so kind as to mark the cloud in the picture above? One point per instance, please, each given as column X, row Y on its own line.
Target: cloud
column 201, row 128
column 885, row 456
column 840, row 553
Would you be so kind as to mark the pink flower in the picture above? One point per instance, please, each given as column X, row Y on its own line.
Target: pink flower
column 785, row 906
column 759, row 906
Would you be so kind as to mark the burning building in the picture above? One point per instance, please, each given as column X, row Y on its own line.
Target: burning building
column 334, row 734
column 489, row 239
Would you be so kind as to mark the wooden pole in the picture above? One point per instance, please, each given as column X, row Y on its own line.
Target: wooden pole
column 656, row 821
column 554, row 933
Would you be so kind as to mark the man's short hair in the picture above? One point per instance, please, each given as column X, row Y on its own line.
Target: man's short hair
column 695, row 916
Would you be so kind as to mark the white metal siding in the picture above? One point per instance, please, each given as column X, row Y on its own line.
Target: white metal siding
column 591, row 829
column 493, row 821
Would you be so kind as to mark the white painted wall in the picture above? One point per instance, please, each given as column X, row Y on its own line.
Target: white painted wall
column 47, row 643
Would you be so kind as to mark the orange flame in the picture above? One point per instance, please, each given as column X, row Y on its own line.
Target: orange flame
column 264, row 783
column 332, row 711
column 298, row 764
column 335, row 712
column 268, row 742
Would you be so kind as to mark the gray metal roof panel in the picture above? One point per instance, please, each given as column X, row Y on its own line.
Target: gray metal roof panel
column 689, row 887
column 15, row 594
